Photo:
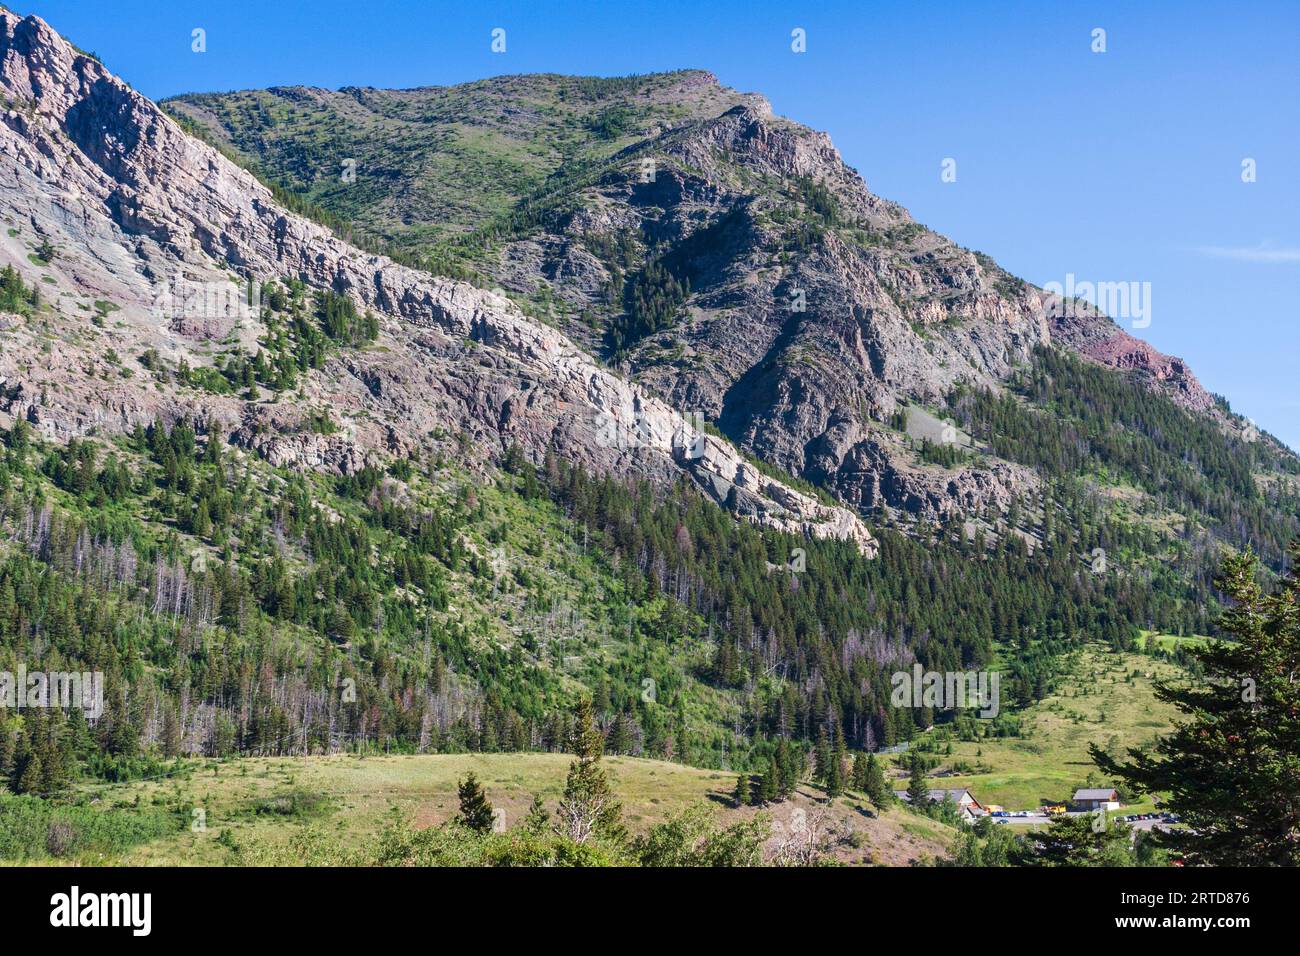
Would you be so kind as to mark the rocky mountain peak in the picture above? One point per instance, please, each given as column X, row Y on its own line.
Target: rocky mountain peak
column 750, row 280
column 134, row 207
column 724, row 257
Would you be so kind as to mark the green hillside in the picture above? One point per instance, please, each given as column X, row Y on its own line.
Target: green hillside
column 1100, row 696
column 316, row 654
column 437, row 162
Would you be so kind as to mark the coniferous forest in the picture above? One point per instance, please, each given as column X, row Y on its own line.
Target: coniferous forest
column 230, row 619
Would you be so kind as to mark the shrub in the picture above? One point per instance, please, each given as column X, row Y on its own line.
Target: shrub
column 33, row 828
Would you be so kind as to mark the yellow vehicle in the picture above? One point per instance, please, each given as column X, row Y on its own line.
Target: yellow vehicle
column 1054, row 811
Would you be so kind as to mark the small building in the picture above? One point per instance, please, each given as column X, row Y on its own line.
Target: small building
column 967, row 806
column 1095, row 799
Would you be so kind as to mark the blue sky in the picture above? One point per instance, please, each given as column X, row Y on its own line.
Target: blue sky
column 1122, row 166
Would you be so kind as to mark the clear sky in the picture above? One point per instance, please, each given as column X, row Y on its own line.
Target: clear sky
column 1122, row 166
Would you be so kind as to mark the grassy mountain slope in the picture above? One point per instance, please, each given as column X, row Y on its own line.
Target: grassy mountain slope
column 1101, row 696
column 438, row 162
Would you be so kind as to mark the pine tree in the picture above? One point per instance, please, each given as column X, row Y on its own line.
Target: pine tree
column 53, row 755
column 620, row 736
column 822, row 759
column 538, row 820
column 742, row 794
column 6, row 751
column 29, row 779
column 788, row 768
column 475, row 811
column 1228, row 768
column 1078, row 841
column 202, row 524
column 769, row 787
column 859, row 775
column 18, row 762
column 835, row 777
column 588, row 808
column 171, row 734
column 917, row 790
column 680, row 734
column 876, row 788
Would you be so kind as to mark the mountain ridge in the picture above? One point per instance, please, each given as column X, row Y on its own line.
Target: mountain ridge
column 693, row 272
column 211, row 212
column 891, row 314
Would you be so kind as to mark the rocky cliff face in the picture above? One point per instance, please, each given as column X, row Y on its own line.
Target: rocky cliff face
column 809, row 311
column 135, row 209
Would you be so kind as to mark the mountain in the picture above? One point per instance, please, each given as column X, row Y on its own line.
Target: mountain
column 734, row 442
column 144, row 217
column 726, row 258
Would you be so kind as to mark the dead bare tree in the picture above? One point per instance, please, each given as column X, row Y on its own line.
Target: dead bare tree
column 806, row 837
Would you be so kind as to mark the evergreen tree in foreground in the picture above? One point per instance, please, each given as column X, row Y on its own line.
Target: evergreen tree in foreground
column 822, row 758
column 588, row 808
column 1230, row 768
column 769, row 785
column 475, row 811
column 1078, row 841
column 538, row 821
column 743, row 792
column 788, row 764
column 876, row 789
column 835, row 772
column 858, row 777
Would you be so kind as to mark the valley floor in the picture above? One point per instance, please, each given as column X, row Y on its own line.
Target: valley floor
column 265, row 800
column 224, row 809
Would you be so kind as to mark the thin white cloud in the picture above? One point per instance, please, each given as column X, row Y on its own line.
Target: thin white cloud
column 1264, row 252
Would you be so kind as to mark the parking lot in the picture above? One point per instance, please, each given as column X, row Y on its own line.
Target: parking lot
column 1145, row 821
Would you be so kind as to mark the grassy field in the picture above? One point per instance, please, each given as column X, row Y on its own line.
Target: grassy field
column 352, row 798
column 1103, row 698
column 1167, row 642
